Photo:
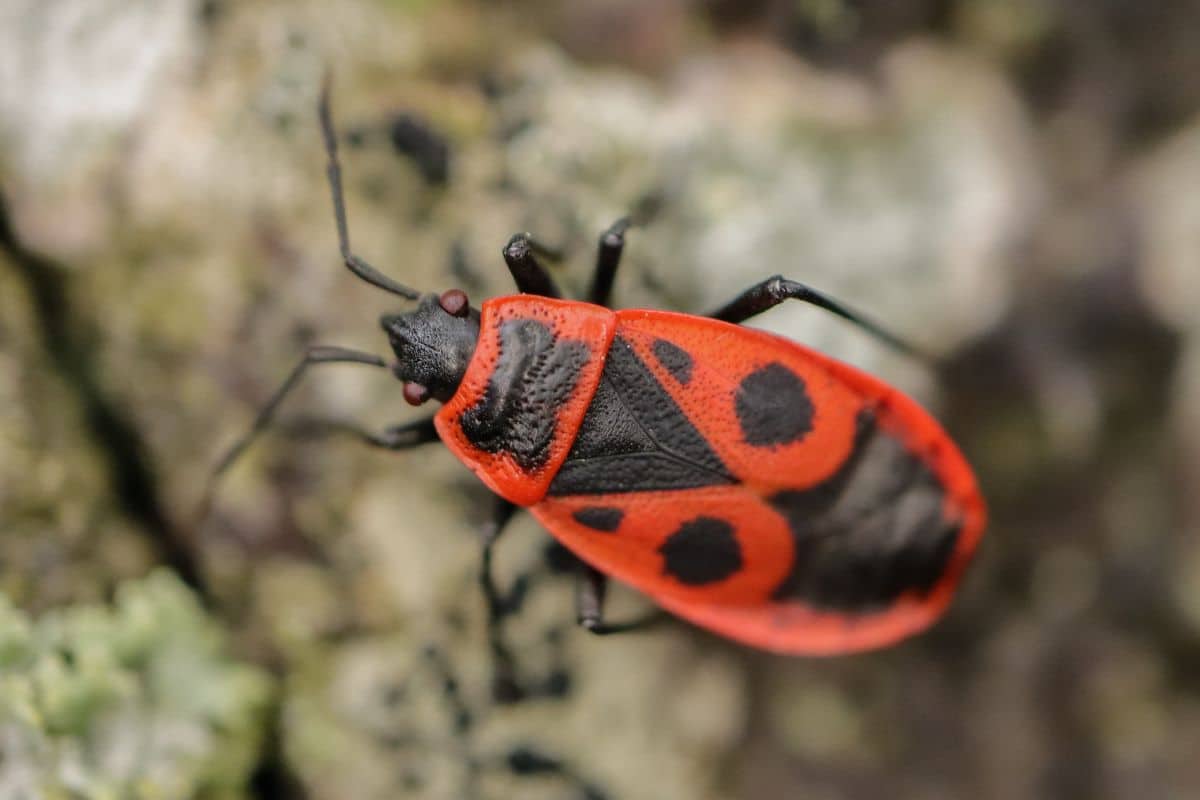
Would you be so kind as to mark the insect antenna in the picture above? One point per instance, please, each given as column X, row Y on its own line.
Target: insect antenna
column 333, row 171
column 315, row 355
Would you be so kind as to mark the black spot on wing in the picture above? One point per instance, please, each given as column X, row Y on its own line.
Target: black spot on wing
column 773, row 407
column 674, row 359
column 599, row 518
column 634, row 437
column 869, row 533
column 702, row 551
column 535, row 373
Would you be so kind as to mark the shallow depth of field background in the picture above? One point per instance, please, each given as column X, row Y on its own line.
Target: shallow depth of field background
column 1014, row 185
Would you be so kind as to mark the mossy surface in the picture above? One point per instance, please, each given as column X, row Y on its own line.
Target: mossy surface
column 137, row 699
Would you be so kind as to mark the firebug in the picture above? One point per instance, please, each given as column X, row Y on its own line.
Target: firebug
column 743, row 482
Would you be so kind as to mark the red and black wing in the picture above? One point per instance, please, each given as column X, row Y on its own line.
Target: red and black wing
column 762, row 490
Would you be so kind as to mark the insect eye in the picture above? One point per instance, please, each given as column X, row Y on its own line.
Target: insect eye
column 415, row 393
column 454, row 302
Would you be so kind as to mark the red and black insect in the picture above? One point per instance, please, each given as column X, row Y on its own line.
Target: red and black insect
column 742, row 481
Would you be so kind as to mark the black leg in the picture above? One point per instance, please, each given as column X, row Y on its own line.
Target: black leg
column 315, row 355
column 773, row 291
column 530, row 276
column 501, row 516
column 608, row 257
column 589, row 606
column 333, row 171
column 524, row 761
column 505, row 686
column 393, row 437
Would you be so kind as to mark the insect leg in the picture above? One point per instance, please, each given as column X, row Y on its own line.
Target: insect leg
column 333, row 171
column 505, row 687
column 530, row 276
column 315, row 355
column 393, row 437
column 608, row 257
column 773, row 291
column 589, row 606
column 525, row 761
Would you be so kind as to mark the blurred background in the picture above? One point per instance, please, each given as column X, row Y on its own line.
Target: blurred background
column 1011, row 183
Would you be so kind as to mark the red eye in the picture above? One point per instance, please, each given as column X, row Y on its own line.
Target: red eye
column 454, row 302
column 415, row 393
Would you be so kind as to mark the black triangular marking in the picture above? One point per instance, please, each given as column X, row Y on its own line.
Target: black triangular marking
column 608, row 428
column 634, row 437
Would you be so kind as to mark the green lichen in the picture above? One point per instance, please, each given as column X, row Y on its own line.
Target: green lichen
column 134, row 700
